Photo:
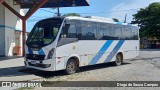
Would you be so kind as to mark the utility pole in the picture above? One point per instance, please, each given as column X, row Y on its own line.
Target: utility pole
column 58, row 11
column 125, row 20
column 58, row 14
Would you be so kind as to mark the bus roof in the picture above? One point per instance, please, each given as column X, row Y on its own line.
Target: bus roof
column 91, row 18
column 98, row 19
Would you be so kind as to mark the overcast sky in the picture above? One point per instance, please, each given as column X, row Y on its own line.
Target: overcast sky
column 102, row 8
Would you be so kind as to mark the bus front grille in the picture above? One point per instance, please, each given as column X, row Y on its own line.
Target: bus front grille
column 35, row 57
column 40, row 65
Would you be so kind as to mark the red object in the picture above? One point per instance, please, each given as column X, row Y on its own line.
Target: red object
column 158, row 46
column 35, row 8
column 23, row 36
column 12, row 10
column 1, row 1
column 17, row 50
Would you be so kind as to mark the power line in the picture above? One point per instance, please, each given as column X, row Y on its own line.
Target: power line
column 79, row 13
column 40, row 16
column 46, row 10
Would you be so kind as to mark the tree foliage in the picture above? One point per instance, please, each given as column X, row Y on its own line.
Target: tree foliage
column 72, row 14
column 115, row 19
column 148, row 20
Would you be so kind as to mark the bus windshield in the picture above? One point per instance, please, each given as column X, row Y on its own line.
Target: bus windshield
column 44, row 33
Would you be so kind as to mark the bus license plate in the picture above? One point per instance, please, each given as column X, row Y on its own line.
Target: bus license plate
column 33, row 62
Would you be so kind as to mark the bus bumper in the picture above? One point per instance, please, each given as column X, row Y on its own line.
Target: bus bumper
column 45, row 65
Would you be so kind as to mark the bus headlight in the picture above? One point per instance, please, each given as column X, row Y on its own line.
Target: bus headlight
column 50, row 54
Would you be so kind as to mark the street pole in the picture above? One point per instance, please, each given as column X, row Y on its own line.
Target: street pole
column 125, row 20
column 58, row 12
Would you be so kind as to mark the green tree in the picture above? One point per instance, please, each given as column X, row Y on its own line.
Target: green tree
column 72, row 14
column 148, row 20
column 115, row 19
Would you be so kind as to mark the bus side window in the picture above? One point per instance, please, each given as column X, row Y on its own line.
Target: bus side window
column 79, row 30
column 134, row 31
column 126, row 33
column 72, row 33
column 68, row 35
column 65, row 31
column 88, row 31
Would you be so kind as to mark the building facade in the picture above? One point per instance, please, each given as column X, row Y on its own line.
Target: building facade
column 9, row 24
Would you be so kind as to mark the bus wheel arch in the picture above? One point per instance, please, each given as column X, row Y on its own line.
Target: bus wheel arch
column 76, row 59
column 75, row 64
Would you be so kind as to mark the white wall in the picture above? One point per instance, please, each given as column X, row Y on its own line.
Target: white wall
column 8, row 23
column 2, row 31
column 19, row 21
column 19, row 26
column 14, row 22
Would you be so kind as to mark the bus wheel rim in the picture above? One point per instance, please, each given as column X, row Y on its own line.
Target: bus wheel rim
column 118, row 60
column 71, row 67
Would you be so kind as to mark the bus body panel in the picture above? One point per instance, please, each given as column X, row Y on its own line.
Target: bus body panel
column 62, row 55
column 92, row 51
column 89, row 54
column 130, row 49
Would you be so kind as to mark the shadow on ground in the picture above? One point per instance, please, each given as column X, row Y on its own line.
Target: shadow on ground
column 11, row 71
column 22, row 71
column 46, row 74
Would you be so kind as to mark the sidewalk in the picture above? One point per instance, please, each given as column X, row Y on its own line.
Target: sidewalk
column 10, row 69
column 10, row 57
column 8, row 62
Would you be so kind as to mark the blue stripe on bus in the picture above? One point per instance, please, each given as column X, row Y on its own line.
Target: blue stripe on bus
column 41, row 52
column 30, row 51
column 114, row 51
column 101, row 52
column 120, row 23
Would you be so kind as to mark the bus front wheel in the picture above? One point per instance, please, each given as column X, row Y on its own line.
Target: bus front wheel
column 118, row 61
column 71, row 67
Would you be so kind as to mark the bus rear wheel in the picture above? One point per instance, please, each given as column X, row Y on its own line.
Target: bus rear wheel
column 118, row 61
column 71, row 67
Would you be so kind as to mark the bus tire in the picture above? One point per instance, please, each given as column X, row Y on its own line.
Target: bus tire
column 118, row 61
column 71, row 67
